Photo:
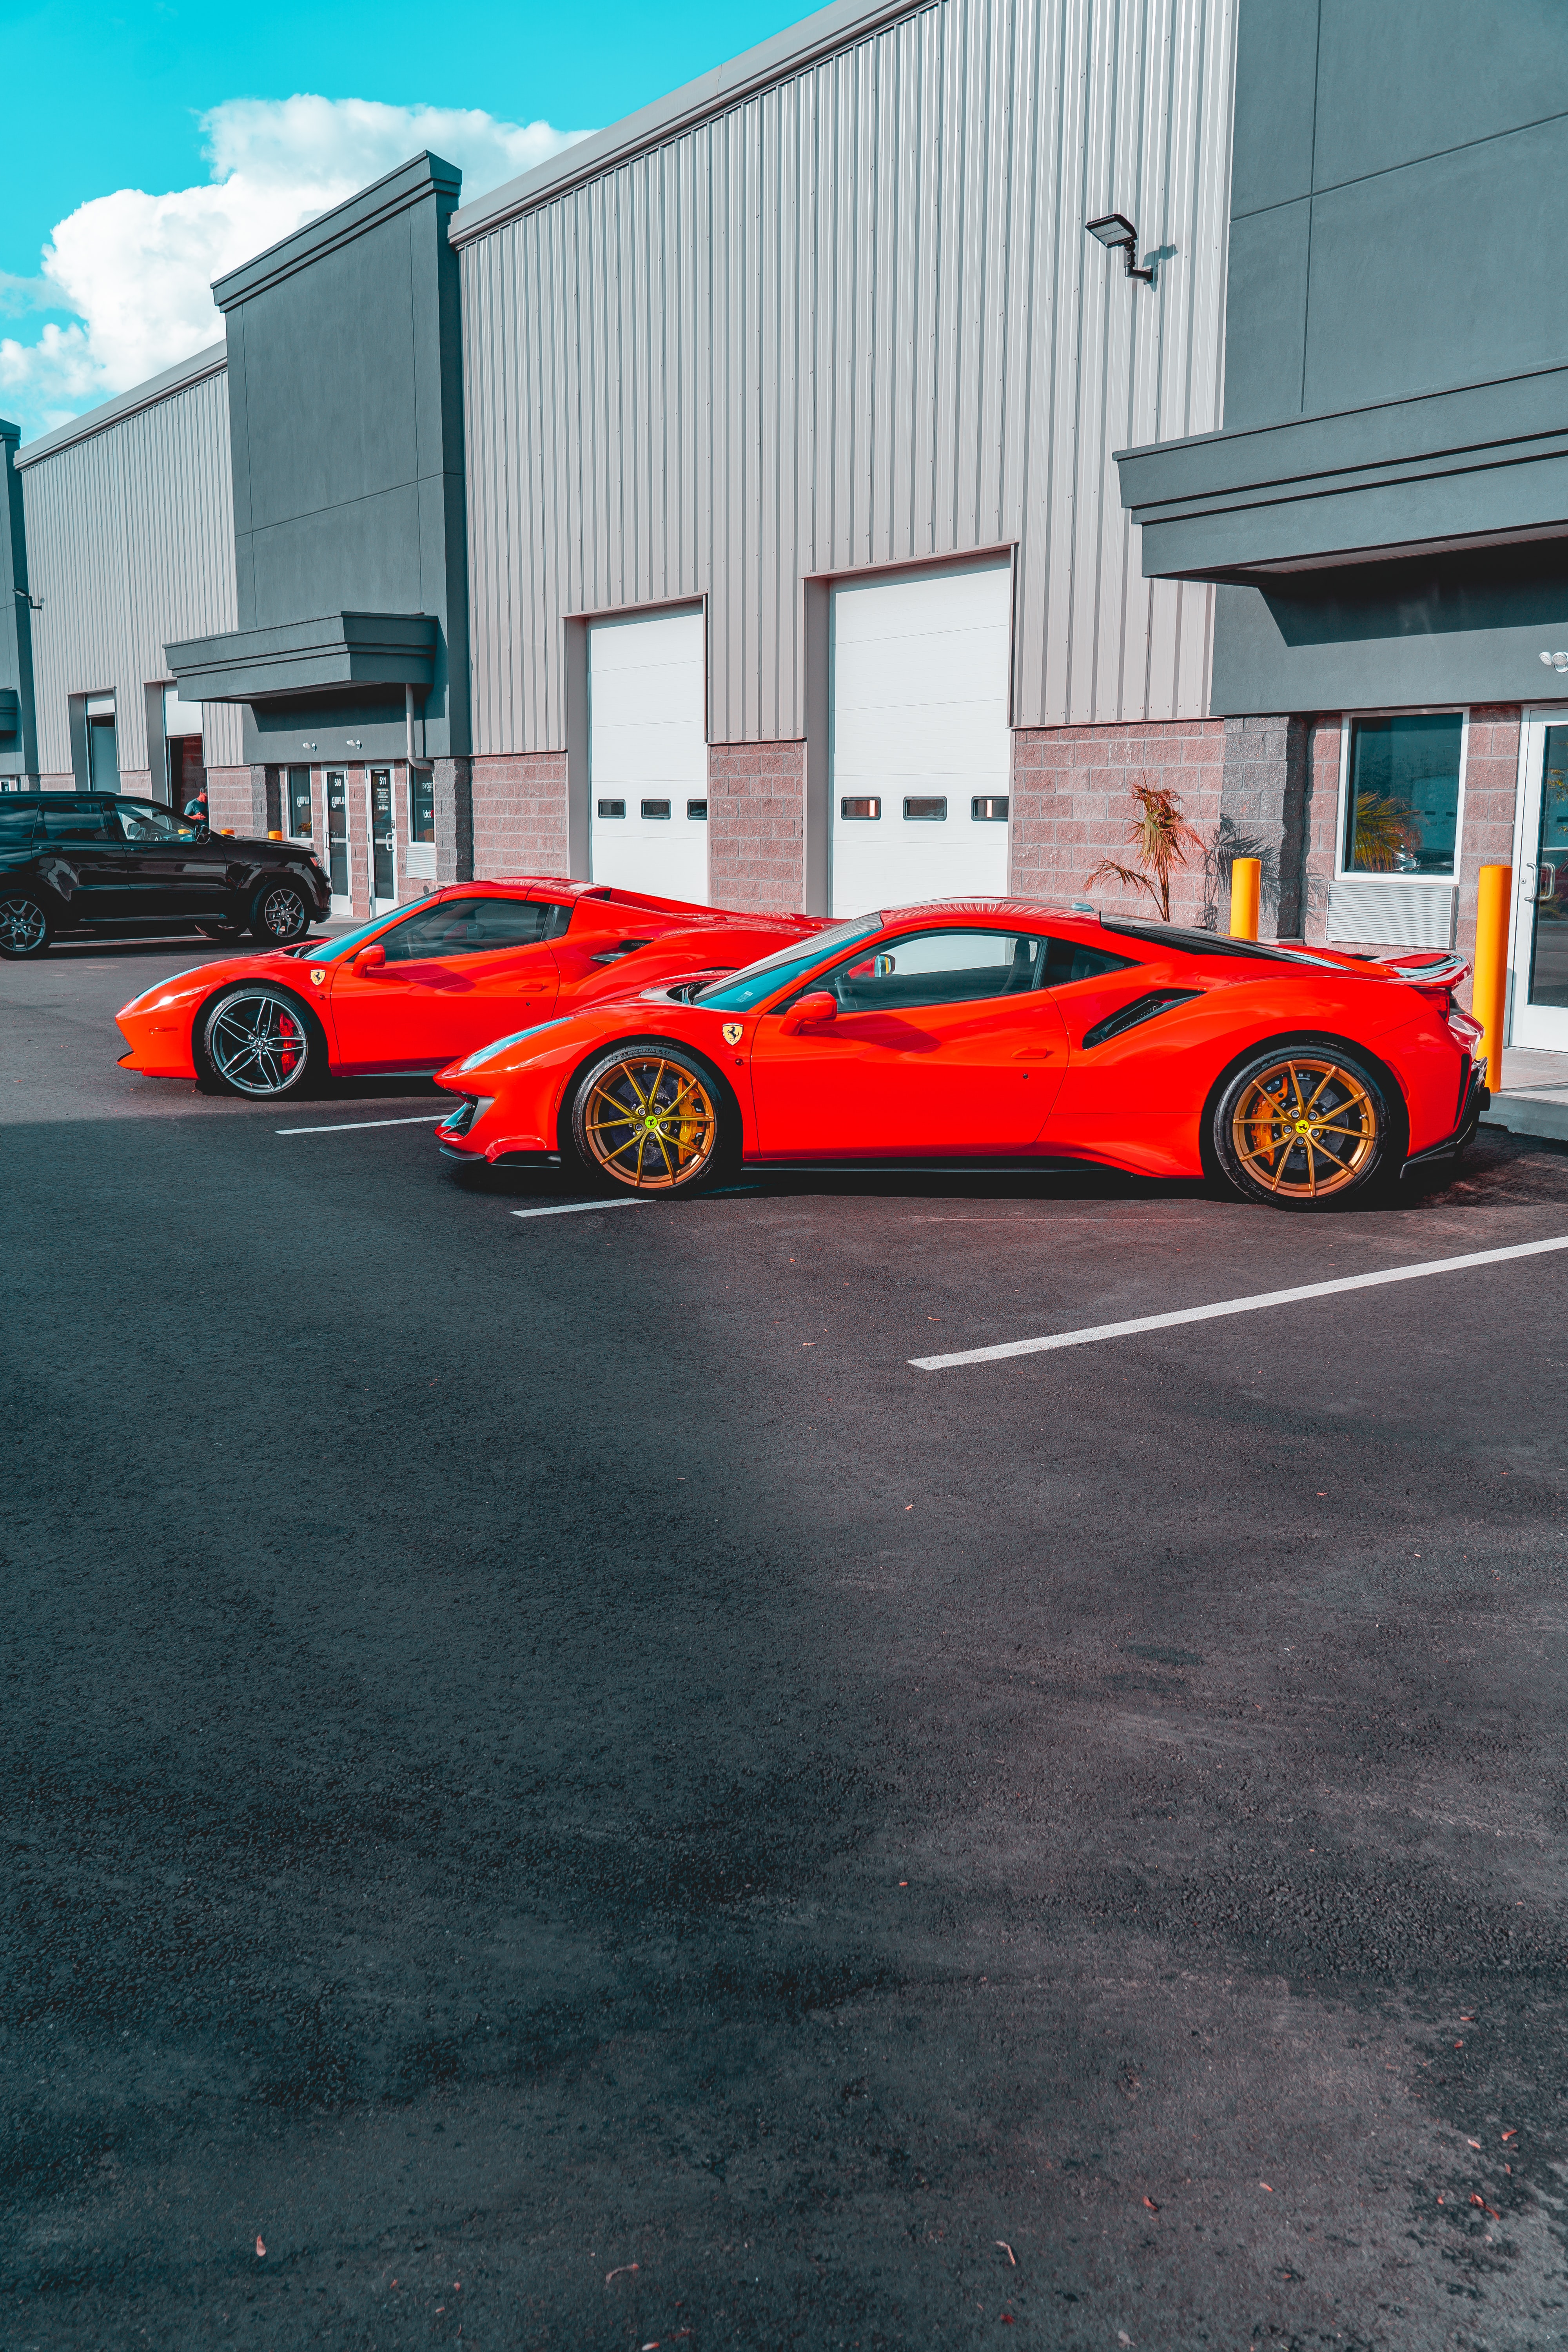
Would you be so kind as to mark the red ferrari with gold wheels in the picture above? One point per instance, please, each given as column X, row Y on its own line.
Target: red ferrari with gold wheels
column 1002, row 1032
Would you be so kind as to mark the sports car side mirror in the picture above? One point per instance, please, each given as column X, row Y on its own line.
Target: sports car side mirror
column 809, row 1013
column 369, row 959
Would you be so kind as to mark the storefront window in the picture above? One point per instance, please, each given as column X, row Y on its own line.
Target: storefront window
column 299, row 803
column 1401, row 810
column 421, row 805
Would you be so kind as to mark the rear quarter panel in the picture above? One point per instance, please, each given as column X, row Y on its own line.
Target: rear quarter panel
column 1136, row 1101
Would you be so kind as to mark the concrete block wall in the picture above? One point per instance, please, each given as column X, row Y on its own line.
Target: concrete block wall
column 520, row 814
column 236, row 801
column 756, row 826
column 1072, row 805
column 1491, row 783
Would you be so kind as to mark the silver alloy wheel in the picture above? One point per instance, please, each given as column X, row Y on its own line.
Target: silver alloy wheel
column 23, row 925
column 281, row 911
column 258, row 1043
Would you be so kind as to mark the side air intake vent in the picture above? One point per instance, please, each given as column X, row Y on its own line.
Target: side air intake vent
column 1142, row 1008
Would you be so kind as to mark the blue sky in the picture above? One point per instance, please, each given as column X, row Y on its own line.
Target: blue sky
column 173, row 123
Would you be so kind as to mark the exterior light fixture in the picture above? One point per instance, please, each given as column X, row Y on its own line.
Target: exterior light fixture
column 355, row 743
column 34, row 604
column 1559, row 662
column 1115, row 230
column 306, row 747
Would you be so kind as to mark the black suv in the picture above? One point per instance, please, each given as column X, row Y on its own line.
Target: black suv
column 99, row 862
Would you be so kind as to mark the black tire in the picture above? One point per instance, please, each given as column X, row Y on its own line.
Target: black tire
column 613, row 1111
column 257, row 1041
column 26, row 926
column 279, row 913
column 1306, row 1123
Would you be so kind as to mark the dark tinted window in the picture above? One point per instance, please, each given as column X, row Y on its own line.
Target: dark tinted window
column 1070, row 959
column 80, row 821
column 1175, row 940
column 17, row 825
column 473, row 927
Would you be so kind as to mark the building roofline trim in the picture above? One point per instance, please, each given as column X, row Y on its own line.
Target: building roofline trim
column 213, row 361
column 398, row 191
column 837, row 26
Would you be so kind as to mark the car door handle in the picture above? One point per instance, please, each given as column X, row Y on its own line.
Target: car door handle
column 1034, row 1053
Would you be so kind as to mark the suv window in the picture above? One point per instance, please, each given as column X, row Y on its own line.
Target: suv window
column 150, row 821
column 473, row 927
column 18, row 823
column 80, row 821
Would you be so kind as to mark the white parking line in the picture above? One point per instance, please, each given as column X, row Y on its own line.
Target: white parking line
column 576, row 1208
column 353, row 1126
column 1234, row 1307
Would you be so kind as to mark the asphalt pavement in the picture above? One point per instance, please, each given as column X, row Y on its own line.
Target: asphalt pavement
column 560, row 1793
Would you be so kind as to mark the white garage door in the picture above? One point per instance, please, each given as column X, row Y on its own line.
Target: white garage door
column 647, row 754
column 920, row 747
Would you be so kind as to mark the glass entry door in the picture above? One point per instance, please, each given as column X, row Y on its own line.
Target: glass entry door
column 1540, row 992
column 337, row 841
column 383, row 843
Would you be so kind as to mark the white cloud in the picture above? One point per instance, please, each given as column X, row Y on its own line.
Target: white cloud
column 134, row 270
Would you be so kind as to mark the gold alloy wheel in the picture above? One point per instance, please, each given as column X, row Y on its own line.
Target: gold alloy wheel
column 1305, row 1128
column 650, row 1123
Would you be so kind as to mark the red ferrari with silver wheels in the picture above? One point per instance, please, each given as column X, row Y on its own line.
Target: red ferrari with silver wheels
column 1002, row 1033
column 405, row 994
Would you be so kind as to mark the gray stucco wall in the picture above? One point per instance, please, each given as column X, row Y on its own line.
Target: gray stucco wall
column 18, row 734
column 345, row 397
column 1386, row 537
column 1397, row 170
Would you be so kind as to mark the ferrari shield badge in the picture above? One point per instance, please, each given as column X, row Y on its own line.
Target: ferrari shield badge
column 732, row 1033
column 319, row 975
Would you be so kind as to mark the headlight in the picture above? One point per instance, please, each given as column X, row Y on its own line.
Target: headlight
column 499, row 1045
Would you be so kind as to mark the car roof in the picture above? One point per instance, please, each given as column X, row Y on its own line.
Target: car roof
column 1034, row 910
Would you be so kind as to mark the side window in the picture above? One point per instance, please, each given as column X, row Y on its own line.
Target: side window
column 146, row 821
column 80, row 821
column 18, row 825
column 460, row 927
column 936, row 968
column 1070, row 959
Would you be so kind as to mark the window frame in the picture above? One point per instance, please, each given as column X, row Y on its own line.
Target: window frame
column 1348, row 722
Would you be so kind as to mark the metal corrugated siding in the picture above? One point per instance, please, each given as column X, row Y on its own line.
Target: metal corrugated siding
column 130, row 544
column 855, row 319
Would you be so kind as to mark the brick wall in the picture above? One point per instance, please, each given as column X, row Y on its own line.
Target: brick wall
column 1072, row 805
column 756, row 826
column 232, row 801
column 520, row 814
column 1321, row 817
column 1492, row 786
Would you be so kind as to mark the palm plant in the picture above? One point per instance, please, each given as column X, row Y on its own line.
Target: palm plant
column 1160, row 838
column 1385, row 830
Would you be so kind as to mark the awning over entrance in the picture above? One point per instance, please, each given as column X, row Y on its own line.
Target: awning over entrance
column 1481, row 465
column 328, row 653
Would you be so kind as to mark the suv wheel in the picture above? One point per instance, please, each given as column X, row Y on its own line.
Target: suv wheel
column 25, row 927
column 278, row 915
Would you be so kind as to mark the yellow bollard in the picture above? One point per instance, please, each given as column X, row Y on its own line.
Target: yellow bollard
column 1489, row 996
column 1246, row 880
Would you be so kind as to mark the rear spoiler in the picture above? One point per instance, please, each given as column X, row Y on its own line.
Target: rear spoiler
column 1426, row 970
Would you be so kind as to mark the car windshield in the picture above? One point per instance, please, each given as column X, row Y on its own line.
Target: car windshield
column 350, row 940
column 739, row 991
